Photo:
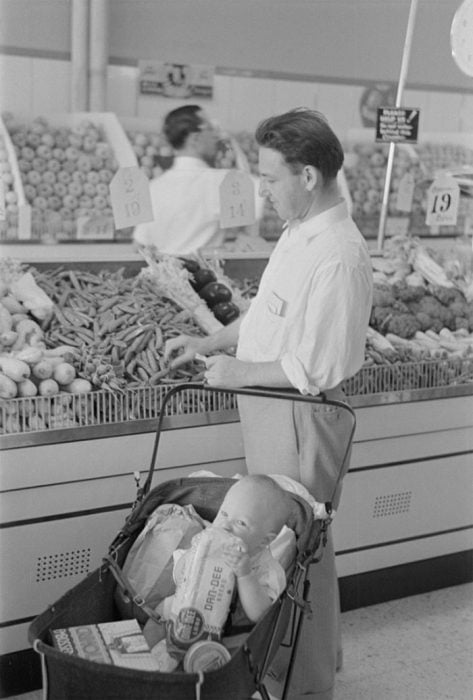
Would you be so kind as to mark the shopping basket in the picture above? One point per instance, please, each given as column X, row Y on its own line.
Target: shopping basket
column 67, row 677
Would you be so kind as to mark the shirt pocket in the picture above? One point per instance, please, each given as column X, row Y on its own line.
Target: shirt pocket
column 269, row 327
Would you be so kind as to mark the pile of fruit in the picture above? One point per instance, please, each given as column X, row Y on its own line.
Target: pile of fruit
column 365, row 170
column 150, row 151
column 65, row 172
column 8, row 227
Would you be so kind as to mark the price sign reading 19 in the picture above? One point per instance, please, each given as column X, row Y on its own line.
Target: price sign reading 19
column 442, row 202
column 131, row 202
column 237, row 200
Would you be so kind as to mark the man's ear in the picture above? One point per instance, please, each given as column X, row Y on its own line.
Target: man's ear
column 310, row 177
column 193, row 139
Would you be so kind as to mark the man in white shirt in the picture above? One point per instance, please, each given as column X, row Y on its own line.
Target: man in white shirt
column 305, row 329
column 185, row 198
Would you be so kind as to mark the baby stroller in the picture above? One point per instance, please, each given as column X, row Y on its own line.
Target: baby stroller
column 67, row 677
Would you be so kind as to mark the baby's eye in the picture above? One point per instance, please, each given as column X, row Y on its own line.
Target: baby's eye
column 241, row 523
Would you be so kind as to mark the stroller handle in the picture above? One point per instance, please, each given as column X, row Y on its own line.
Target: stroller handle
column 261, row 392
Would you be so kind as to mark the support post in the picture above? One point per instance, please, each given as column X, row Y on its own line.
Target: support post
column 392, row 146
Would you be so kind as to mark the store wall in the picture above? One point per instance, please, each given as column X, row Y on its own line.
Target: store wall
column 269, row 55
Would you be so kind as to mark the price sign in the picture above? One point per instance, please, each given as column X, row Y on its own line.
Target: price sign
column 3, row 215
column 405, row 193
column 443, row 197
column 131, row 201
column 95, row 228
column 237, row 200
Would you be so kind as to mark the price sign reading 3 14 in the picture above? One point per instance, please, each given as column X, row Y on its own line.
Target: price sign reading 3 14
column 131, row 201
column 442, row 202
column 237, row 200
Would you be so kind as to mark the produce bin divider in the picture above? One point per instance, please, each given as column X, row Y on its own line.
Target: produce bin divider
column 97, row 408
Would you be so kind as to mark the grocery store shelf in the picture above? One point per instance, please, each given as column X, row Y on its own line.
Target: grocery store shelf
column 73, row 251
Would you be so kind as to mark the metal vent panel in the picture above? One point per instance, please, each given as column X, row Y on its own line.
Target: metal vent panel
column 392, row 504
column 62, row 565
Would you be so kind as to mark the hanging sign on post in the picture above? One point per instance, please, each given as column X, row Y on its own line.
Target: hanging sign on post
column 443, row 197
column 399, row 124
column 131, row 201
column 237, row 200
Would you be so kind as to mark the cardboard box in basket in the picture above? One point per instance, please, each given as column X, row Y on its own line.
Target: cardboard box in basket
column 67, row 161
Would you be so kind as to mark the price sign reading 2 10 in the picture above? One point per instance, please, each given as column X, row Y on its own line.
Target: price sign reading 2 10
column 131, row 201
column 237, row 200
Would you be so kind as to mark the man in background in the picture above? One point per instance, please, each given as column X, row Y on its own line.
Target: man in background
column 186, row 198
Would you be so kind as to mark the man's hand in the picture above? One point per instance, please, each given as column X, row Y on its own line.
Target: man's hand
column 189, row 346
column 225, row 371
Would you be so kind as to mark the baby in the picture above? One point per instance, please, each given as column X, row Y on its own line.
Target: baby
column 253, row 512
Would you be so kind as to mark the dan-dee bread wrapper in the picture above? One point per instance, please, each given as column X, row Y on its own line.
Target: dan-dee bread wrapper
column 203, row 595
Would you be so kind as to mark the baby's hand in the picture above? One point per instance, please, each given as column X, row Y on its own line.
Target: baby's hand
column 236, row 557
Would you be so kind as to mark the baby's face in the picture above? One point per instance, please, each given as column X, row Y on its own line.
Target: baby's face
column 245, row 515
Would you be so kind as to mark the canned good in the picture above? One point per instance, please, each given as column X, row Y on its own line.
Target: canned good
column 206, row 655
column 185, row 630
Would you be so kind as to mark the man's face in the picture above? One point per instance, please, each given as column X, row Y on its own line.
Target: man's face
column 209, row 137
column 284, row 189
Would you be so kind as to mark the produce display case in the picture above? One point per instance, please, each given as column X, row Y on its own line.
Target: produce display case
column 17, row 221
column 377, row 384
column 66, row 162
column 68, row 483
column 365, row 168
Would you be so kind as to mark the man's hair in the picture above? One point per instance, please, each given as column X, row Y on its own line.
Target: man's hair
column 181, row 122
column 303, row 137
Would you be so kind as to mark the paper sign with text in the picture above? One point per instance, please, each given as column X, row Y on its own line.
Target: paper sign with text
column 95, row 228
column 397, row 124
column 237, row 200
column 443, row 197
column 177, row 80
column 131, row 201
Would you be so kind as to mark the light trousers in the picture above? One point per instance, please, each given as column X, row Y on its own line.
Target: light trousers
column 306, row 442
